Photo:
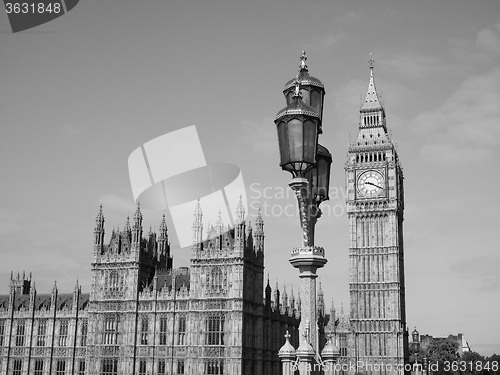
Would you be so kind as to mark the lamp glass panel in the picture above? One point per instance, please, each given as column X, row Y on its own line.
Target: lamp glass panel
column 283, row 142
column 323, row 180
column 316, row 101
column 306, row 98
column 310, row 141
column 313, row 180
column 296, row 140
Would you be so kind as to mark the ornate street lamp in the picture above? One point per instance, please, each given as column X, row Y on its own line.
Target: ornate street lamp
column 311, row 88
column 319, row 176
column 319, row 182
column 299, row 125
column 298, row 130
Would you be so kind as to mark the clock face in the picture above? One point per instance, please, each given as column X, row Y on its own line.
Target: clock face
column 371, row 184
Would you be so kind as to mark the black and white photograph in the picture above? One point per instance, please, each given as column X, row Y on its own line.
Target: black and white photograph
column 249, row 187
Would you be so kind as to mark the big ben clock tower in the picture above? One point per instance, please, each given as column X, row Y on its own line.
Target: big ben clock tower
column 378, row 339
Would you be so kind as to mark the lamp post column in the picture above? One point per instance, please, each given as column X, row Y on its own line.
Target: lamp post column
column 298, row 126
column 307, row 259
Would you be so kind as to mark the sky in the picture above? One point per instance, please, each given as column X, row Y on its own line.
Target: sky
column 80, row 93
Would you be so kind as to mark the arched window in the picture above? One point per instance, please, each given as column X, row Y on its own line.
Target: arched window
column 216, row 278
column 110, row 330
column 214, row 330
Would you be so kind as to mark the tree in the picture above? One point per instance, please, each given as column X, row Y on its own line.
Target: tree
column 472, row 363
column 495, row 364
column 417, row 354
column 441, row 355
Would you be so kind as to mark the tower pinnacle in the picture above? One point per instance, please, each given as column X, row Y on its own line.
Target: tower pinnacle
column 99, row 229
column 198, row 224
column 372, row 102
column 240, row 211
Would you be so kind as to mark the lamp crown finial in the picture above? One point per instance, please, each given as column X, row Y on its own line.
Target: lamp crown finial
column 303, row 59
column 297, row 93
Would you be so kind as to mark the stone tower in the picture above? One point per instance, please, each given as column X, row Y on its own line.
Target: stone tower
column 120, row 271
column 374, row 177
column 227, row 281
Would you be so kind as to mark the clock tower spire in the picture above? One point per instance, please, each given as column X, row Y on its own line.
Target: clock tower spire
column 375, row 210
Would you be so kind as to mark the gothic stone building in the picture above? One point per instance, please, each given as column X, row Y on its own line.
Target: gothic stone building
column 377, row 335
column 144, row 317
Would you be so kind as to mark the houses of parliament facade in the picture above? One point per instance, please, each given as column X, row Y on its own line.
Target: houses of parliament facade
column 144, row 317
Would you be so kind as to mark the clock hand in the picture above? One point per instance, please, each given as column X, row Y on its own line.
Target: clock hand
column 371, row 183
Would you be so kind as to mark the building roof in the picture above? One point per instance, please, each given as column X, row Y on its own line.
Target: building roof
column 43, row 301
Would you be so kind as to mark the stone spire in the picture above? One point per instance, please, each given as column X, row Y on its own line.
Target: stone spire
column 163, row 227
column 372, row 121
column 99, row 229
column 259, row 232
column 76, row 295
column 240, row 223
column 163, row 245
column 197, row 224
column 332, row 313
column 53, row 296
column 299, row 302
column 284, row 298
column 137, row 228
column 321, row 301
column 219, row 225
column 292, row 299
column 268, row 293
column 372, row 101
column 240, row 211
column 277, row 295
column 138, row 216
column 100, row 217
column 219, row 231
column 127, row 227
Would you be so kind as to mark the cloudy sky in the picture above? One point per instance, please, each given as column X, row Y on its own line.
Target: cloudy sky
column 80, row 93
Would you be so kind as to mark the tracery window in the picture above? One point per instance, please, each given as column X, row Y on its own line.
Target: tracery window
column 17, row 367
column 142, row 368
column 20, row 333
column 180, row 367
column 214, row 367
column 39, row 367
column 144, row 331
column 83, row 339
column 114, row 282
column 63, row 332
column 60, row 367
column 81, row 367
column 181, row 340
column 161, row 367
column 216, row 279
column 109, row 366
column 214, row 330
column 42, row 332
column 110, row 330
column 2, row 331
column 163, row 330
